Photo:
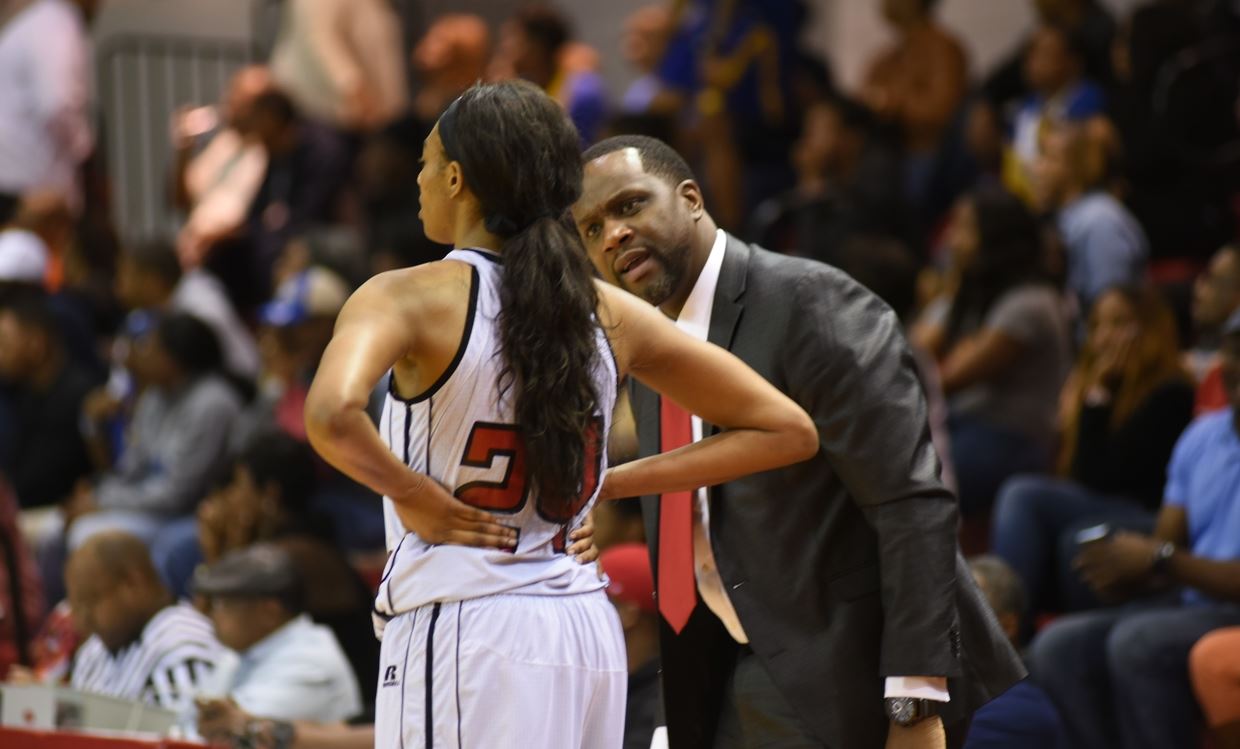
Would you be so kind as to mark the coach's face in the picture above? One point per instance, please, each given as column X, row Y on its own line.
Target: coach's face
column 637, row 227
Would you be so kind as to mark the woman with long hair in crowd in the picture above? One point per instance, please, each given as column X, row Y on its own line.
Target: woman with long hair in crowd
column 1001, row 337
column 1123, row 406
column 505, row 359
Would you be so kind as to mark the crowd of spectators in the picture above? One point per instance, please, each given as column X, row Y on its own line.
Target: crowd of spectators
column 1058, row 235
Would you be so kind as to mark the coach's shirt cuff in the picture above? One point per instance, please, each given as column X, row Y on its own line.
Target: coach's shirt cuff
column 920, row 687
column 659, row 739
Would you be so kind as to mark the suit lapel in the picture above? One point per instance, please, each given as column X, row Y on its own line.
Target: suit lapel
column 725, row 314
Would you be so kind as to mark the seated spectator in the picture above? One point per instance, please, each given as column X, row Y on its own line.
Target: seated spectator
column 1123, row 407
column 267, row 499
column 631, row 590
column 645, row 37
column 1214, row 664
column 918, row 84
column 294, row 330
column 141, row 644
column 1120, row 675
column 21, row 595
column 1088, row 21
column 532, row 45
column 150, row 279
column 216, row 185
column 1001, row 336
column 1105, row 245
column 35, row 249
column 47, row 454
column 283, row 666
column 1023, row 716
column 449, row 58
column 179, row 437
column 1216, row 295
column 306, row 168
column 1167, row 130
column 847, row 185
column 1055, row 70
column 342, row 62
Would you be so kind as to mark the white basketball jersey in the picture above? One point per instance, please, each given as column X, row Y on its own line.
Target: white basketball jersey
column 462, row 434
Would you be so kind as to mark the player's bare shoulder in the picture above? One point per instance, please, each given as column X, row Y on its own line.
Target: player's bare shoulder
column 414, row 295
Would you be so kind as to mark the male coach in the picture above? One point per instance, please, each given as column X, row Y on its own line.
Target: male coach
column 824, row 604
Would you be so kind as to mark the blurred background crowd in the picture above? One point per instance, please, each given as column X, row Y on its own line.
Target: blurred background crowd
column 1057, row 231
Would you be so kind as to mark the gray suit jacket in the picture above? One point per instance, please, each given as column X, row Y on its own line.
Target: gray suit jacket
column 843, row 569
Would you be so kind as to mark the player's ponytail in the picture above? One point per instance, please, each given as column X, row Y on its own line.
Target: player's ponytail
column 520, row 155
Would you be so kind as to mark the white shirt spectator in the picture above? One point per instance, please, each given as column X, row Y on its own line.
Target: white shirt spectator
column 342, row 61
column 222, row 182
column 45, row 130
column 202, row 295
column 297, row 672
column 166, row 666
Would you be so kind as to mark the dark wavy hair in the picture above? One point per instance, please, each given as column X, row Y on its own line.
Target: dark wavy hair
column 520, row 156
column 1011, row 254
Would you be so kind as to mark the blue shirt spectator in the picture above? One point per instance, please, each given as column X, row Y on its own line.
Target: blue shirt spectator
column 1106, row 246
column 1204, row 479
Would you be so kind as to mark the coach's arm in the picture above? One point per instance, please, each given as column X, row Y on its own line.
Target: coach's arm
column 848, row 364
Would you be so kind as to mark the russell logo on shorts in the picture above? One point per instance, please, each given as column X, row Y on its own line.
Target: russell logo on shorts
column 389, row 677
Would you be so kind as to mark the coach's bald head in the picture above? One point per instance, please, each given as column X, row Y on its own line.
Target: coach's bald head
column 642, row 219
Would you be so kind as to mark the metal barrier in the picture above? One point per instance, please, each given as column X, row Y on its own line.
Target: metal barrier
column 143, row 79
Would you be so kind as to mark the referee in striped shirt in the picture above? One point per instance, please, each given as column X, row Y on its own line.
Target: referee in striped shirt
column 142, row 644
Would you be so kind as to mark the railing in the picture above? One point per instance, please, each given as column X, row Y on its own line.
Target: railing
column 143, row 79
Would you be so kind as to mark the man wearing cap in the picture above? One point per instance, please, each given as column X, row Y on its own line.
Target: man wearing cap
column 631, row 589
column 295, row 327
column 285, row 666
column 1105, row 668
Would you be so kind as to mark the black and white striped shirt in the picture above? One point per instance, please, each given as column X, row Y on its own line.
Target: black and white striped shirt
column 165, row 666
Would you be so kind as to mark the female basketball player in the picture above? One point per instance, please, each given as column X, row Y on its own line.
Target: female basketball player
column 504, row 361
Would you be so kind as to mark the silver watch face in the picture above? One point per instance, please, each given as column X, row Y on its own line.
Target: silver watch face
column 903, row 710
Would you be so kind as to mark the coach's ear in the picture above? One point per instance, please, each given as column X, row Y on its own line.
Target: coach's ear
column 691, row 194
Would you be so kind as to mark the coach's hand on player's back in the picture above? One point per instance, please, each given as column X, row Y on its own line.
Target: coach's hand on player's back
column 430, row 511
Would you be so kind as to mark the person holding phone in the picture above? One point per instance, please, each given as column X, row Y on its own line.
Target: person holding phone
column 1119, row 675
column 1125, row 402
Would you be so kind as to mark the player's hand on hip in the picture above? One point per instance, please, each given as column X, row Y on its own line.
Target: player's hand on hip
column 582, row 547
column 440, row 518
column 924, row 734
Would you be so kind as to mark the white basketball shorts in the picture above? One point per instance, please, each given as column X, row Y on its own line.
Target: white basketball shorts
column 503, row 671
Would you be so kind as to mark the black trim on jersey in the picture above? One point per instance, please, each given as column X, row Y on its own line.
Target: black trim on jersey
column 404, row 674
column 408, row 419
column 430, row 428
column 615, row 363
column 430, row 678
column 388, row 573
column 474, row 283
column 494, row 257
column 459, row 743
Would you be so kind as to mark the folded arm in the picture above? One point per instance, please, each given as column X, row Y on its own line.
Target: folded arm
column 763, row 428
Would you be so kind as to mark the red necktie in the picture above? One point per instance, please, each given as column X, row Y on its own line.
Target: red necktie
column 677, row 585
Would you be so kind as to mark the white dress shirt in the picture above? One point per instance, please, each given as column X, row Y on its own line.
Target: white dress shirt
column 694, row 319
column 45, row 131
column 297, row 672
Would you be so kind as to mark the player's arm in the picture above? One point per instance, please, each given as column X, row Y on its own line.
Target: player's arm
column 764, row 429
column 378, row 327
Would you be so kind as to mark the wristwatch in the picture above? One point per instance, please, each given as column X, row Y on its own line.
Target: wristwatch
column 906, row 711
column 1162, row 558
